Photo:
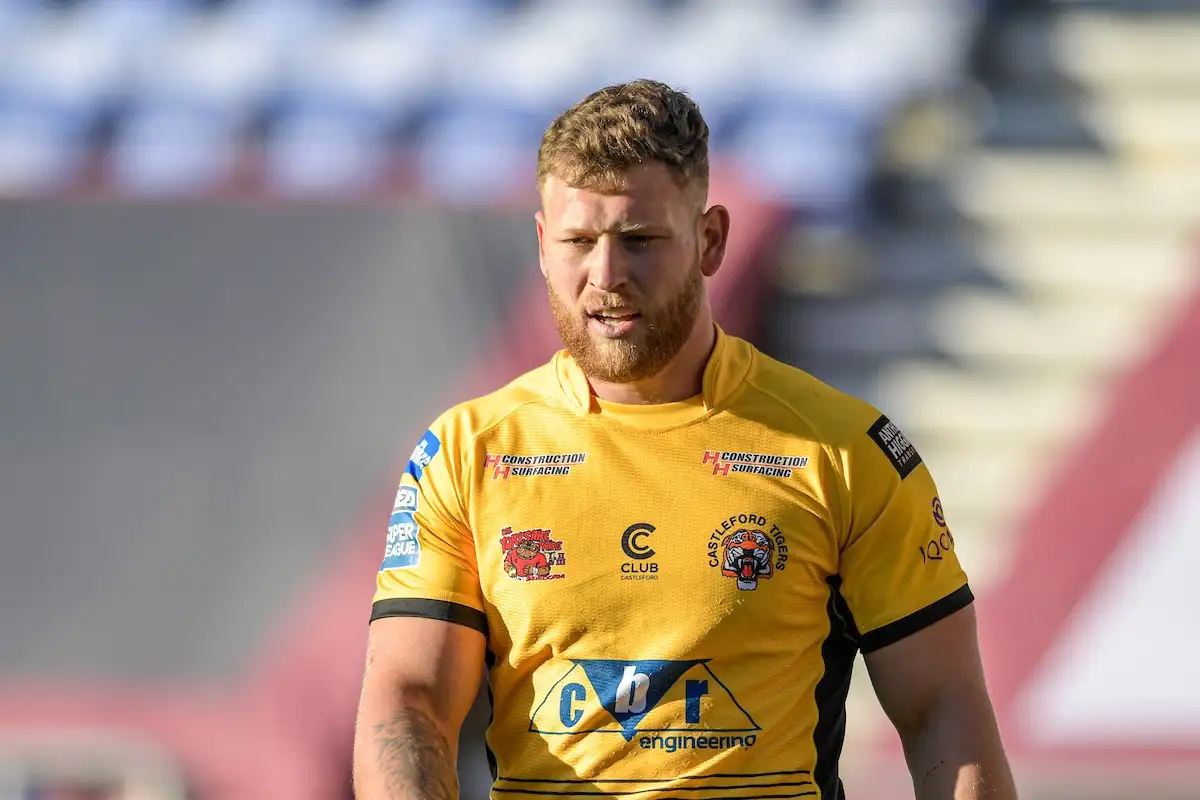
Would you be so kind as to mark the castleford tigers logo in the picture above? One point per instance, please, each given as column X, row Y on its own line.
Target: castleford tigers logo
column 747, row 557
column 747, row 548
column 531, row 555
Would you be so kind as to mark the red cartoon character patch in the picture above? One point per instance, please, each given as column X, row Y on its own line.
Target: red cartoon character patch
column 532, row 555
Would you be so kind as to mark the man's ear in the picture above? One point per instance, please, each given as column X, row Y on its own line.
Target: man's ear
column 714, row 239
column 540, row 219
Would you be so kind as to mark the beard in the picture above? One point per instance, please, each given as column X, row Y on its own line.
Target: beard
column 654, row 342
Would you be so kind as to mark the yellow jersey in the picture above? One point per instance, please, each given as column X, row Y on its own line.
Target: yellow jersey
column 673, row 595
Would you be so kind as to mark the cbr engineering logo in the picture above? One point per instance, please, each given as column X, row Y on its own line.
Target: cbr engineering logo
column 656, row 702
column 505, row 466
column 724, row 462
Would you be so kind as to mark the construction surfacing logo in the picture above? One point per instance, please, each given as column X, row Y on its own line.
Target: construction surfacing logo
column 507, row 465
column 725, row 462
column 660, row 704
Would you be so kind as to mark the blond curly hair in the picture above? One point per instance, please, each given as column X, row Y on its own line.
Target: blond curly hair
column 592, row 144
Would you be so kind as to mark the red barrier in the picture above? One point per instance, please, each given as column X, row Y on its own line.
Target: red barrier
column 1069, row 539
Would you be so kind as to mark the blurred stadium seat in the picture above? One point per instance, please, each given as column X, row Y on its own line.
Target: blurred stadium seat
column 57, row 82
column 329, row 96
column 343, row 106
column 192, row 97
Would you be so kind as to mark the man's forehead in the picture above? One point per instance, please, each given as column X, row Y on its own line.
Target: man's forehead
column 633, row 203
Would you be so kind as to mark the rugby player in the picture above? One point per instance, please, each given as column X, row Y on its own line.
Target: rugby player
column 666, row 547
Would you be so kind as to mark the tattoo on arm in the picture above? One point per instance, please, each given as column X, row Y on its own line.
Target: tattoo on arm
column 414, row 758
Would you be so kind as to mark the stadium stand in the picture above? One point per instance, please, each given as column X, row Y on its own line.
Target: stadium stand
column 322, row 97
column 1006, row 285
column 995, row 303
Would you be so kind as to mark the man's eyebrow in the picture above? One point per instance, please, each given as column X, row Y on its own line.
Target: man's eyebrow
column 639, row 227
column 621, row 228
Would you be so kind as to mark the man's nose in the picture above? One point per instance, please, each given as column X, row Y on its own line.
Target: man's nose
column 608, row 264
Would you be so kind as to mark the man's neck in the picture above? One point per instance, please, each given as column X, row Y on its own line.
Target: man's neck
column 681, row 379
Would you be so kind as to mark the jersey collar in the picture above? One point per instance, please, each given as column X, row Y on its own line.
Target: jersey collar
column 726, row 370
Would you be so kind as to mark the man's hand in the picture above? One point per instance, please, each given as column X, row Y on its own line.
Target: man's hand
column 420, row 681
column 931, row 686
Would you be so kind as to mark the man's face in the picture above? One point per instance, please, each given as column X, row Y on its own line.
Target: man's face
column 625, row 271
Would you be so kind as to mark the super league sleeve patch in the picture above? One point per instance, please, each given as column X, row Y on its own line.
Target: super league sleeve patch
column 403, row 543
column 895, row 445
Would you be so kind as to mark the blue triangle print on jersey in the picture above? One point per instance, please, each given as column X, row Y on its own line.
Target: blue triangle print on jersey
column 631, row 689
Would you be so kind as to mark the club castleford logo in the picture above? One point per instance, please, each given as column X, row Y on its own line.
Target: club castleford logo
column 725, row 462
column 532, row 555
column 640, row 566
column 505, row 465
column 747, row 548
column 662, row 705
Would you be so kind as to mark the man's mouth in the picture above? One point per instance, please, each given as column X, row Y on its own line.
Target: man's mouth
column 615, row 317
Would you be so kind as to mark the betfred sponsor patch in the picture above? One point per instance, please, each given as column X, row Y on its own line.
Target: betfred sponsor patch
column 406, row 499
column 895, row 445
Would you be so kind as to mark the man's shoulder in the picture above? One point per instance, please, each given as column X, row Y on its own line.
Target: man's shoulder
column 467, row 419
column 807, row 404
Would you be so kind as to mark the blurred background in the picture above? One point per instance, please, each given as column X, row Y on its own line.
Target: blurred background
column 249, row 248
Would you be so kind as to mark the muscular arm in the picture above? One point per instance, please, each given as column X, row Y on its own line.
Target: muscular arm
column 420, row 680
column 931, row 686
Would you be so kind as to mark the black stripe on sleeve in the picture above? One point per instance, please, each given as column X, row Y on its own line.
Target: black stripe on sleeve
column 430, row 609
column 895, row 631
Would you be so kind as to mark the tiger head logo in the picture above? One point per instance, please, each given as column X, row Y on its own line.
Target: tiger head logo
column 748, row 557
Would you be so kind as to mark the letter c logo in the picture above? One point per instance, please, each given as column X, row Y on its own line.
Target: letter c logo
column 631, row 541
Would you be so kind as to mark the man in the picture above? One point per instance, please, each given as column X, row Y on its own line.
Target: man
column 721, row 533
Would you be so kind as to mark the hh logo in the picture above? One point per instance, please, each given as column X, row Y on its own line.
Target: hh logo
column 719, row 467
column 725, row 462
column 506, row 465
column 628, row 697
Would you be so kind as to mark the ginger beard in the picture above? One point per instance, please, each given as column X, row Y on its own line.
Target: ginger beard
column 658, row 337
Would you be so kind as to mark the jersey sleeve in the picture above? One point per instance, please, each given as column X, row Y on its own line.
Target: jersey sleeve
column 429, row 567
column 898, row 567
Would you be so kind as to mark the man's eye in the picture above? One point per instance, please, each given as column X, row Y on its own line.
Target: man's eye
column 638, row 241
column 579, row 241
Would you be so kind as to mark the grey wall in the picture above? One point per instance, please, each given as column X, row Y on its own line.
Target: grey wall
column 196, row 401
